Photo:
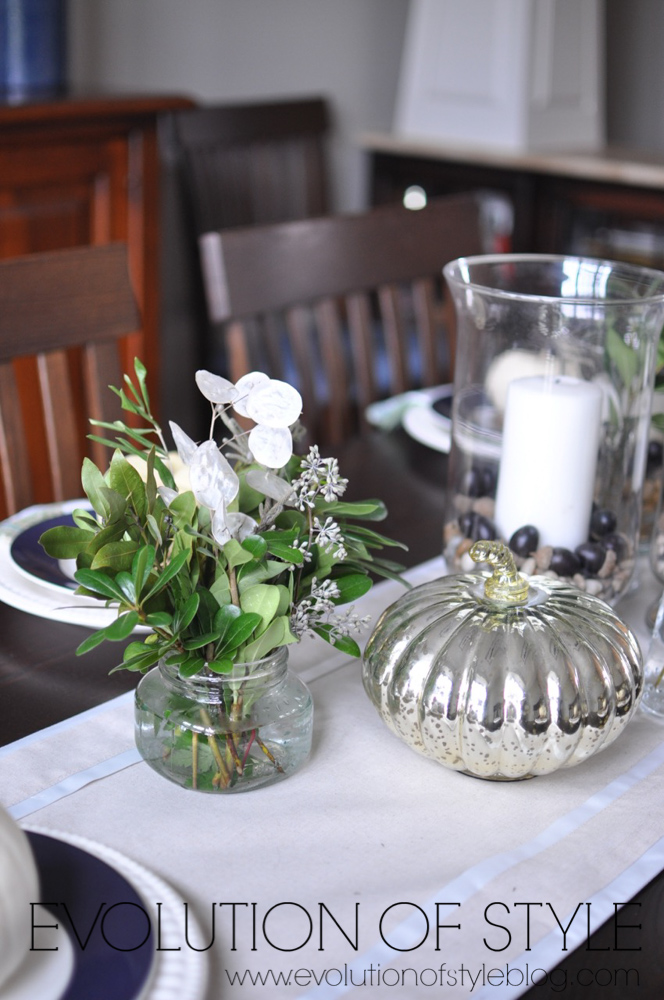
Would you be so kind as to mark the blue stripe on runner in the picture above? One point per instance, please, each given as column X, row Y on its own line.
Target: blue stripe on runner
column 407, row 934
column 73, row 720
column 547, row 953
column 73, row 783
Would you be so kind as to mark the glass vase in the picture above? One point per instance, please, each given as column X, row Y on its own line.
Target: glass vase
column 653, row 688
column 552, row 398
column 225, row 732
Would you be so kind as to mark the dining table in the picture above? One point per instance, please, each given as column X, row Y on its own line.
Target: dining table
column 373, row 871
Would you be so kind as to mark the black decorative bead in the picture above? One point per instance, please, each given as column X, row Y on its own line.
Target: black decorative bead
column 471, row 483
column 602, row 522
column 655, row 455
column 564, row 562
column 489, row 482
column 466, row 522
column 476, row 527
column 485, row 529
column 592, row 556
column 616, row 543
column 525, row 540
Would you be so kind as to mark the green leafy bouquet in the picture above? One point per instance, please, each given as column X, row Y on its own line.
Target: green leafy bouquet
column 255, row 551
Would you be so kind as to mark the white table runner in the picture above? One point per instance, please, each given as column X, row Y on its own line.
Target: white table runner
column 341, row 873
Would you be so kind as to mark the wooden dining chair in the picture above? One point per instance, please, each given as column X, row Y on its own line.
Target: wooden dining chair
column 349, row 308
column 62, row 315
column 259, row 162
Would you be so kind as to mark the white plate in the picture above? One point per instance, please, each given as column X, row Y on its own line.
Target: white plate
column 425, row 424
column 43, row 974
column 175, row 974
column 21, row 590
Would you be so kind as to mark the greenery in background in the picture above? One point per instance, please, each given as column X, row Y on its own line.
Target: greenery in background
column 240, row 560
column 658, row 418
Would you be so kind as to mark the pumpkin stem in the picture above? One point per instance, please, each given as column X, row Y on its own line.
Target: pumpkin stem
column 506, row 584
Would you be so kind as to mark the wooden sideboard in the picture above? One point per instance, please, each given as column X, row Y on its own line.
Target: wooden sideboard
column 605, row 204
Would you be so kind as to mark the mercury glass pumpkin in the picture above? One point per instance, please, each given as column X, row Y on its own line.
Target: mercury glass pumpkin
column 502, row 677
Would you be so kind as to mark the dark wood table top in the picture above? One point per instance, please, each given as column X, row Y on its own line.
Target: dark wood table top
column 43, row 682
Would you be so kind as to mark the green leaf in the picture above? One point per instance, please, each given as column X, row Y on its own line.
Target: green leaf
column 352, row 587
column 141, row 566
column 99, row 583
column 277, row 634
column 111, row 532
column 134, row 649
column 284, row 598
column 221, row 590
column 116, row 556
column 122, row 627
column 141, row 375
column 183, row 508
column 285, row 552
column 171, row 570
column 94, row 486
column 235, row 554
column 286, row 535
column 253, row 573
column 125, row 581
column 187, row 614
column 65, row 542
column 370, row 538
column 224, row 618
column 238, row 631
column 343, row 643
column 263, row 600
column 200, row 640
column 221, row 666
column 85, row 519
column 192, row 666
column 164, row 472
column 159, row 619
column 124, row 479
column 92, row 640
column 256, row 545
column 624, row 357
column 365, row 510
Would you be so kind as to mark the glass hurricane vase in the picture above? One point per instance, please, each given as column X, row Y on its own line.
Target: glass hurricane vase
column 550, row 425
column 225, row 732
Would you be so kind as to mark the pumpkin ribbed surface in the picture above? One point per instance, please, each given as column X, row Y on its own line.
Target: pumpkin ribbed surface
column 503, row 692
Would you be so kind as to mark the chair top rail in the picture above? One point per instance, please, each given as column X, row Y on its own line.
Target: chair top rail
column 256, row 269
column 64, row 299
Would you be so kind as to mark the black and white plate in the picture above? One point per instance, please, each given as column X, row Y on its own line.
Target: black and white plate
column 429, row 421
column 104, row 905
column 30, row 558
column 32, row 581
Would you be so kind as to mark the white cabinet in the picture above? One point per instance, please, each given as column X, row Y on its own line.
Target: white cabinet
column 517, row 74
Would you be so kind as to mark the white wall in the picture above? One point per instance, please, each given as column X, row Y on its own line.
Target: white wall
column 635, row 74
column 232, row 50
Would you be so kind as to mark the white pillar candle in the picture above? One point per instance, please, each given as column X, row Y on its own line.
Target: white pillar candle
column 549, row 458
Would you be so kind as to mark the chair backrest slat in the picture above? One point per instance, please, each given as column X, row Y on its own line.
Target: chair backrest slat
column 255, row 162
column 13, row 447
column 60, row 426
column 383, row 268
column 425, row 312
column 62, row 316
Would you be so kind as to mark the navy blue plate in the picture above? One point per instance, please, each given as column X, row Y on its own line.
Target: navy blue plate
column 29, row 556
column 443, row 406
column 104, row 916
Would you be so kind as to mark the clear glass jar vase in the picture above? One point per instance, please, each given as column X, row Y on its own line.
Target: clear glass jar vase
column 553, row 391
column 225, row 732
